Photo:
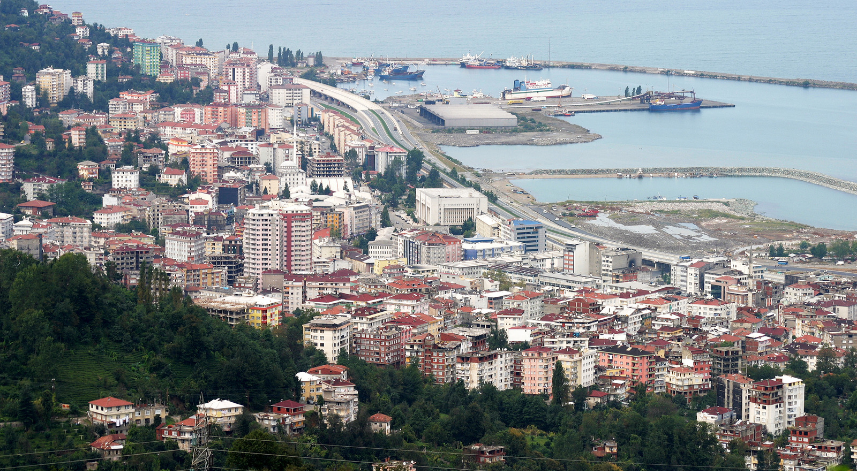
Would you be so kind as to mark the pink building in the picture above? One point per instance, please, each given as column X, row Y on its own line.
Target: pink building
column 635, row 363
column 203, row 162
column 538, row 364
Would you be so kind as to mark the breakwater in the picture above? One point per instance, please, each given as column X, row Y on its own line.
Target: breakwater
column 815, row 178
column 791, row 82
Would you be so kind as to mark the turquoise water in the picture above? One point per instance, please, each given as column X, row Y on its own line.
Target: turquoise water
column 786, row 38
column 779, row 198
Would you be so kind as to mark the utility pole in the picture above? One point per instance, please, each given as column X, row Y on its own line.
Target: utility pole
column 199, row 444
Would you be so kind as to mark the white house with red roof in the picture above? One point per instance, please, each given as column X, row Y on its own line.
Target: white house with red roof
column 173, row 176
column 183, row 432
column 529, row 301
column 709, row 308
column 111, row 412
column 410, row 303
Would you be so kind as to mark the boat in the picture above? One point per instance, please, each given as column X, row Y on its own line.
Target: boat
column 565, row 113
column 467, row 58
column 423, row 84
column 482, row 64
column 413, row 89
column 522, row 63
column 662, row 105
column 401, row 73
column 357, row 62
column 527, row 90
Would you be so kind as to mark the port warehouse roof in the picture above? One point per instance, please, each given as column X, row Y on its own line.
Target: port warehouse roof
column 461, row 116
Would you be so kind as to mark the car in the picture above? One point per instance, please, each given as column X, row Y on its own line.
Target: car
column 556, row 219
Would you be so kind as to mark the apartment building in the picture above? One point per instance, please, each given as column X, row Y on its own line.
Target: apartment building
column 185, row 246
column 330, row 334
column 56, row 83
column 449, row 206
column 478, row 368
column 538, row 366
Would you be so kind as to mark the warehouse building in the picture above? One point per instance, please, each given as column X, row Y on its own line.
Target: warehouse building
column 468, row 116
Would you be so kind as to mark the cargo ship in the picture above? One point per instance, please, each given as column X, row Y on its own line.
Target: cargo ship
column 662, row 106
column 523, row 63
column 401, row 73
column 527, row 90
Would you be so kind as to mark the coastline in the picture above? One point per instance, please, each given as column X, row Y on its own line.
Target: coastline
column 790, row 82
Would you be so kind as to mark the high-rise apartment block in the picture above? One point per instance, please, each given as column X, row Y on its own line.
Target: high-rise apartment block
column 54, row 82
column 147, row 56
column 278, row 236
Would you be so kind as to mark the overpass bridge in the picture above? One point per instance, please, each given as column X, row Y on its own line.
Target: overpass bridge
column 372, row 116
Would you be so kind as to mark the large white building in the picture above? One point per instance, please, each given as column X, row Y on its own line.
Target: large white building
column 578, row 365
column 775, row 403
column 125, row 177
column 185, row 246
column 7, row 162
column 71, row 231
column 7, row 223
column 330, row 334
column 289, row 94
column 278, row 236
column 449, row 206
column 221, row 412
column 494, row 367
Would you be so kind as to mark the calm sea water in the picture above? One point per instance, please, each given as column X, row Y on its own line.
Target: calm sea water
column 784, row 38
column 779, row 198
column 770, row 126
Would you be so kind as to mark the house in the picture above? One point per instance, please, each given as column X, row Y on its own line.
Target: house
column 109, row 446
column 221, row 412
column 484, row 454
column 716, row 416
column 111, row 412
column 284, row 417
column 606, row 448
column 380, row 423
column 37, row 208
column 183, row 432
column 173, row 176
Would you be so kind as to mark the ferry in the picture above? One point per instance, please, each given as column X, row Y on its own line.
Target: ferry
column 527, row 90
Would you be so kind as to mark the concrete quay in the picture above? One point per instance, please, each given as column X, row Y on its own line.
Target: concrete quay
column 815, row 178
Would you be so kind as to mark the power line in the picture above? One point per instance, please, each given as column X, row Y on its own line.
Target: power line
column 85, row 460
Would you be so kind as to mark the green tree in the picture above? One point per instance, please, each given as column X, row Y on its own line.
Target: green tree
column 781, row 251
column 261, row 450
column 235, row 46
column 804, row 246
column 313, row 187
column 819, row 251
column 199, row 42
column 559, row 385
column 627, row 91
column 285, row 194
column 385, row 218
column 271, row 53
column 772, row 251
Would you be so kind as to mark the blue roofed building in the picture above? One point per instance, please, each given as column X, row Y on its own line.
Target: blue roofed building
column 481, row 248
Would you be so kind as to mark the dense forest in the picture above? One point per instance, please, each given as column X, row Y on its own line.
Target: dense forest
column 70, row 335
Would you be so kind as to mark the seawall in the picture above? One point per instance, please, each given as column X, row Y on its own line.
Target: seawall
column 815, row 178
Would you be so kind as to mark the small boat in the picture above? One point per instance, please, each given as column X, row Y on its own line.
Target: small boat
column 423, row 84
column 413, row 89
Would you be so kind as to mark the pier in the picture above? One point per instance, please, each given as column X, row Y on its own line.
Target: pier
column 815, row 178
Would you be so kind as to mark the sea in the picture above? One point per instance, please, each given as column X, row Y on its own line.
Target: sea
column 771, row 125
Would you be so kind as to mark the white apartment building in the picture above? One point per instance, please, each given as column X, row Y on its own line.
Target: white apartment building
column 289, row 94
column 7, row 223
column 477, row 368
column 97, row 70
column 125, row 177
column 330, row 334
column 449, row 206
column 382, row 249
column 111, row 412
column 71, row 231
column 7, row 162
column 185, row 246
column 29, row 96
column 111, row 215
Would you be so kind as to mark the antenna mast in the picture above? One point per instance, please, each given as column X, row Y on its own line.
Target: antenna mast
column 201, row 453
